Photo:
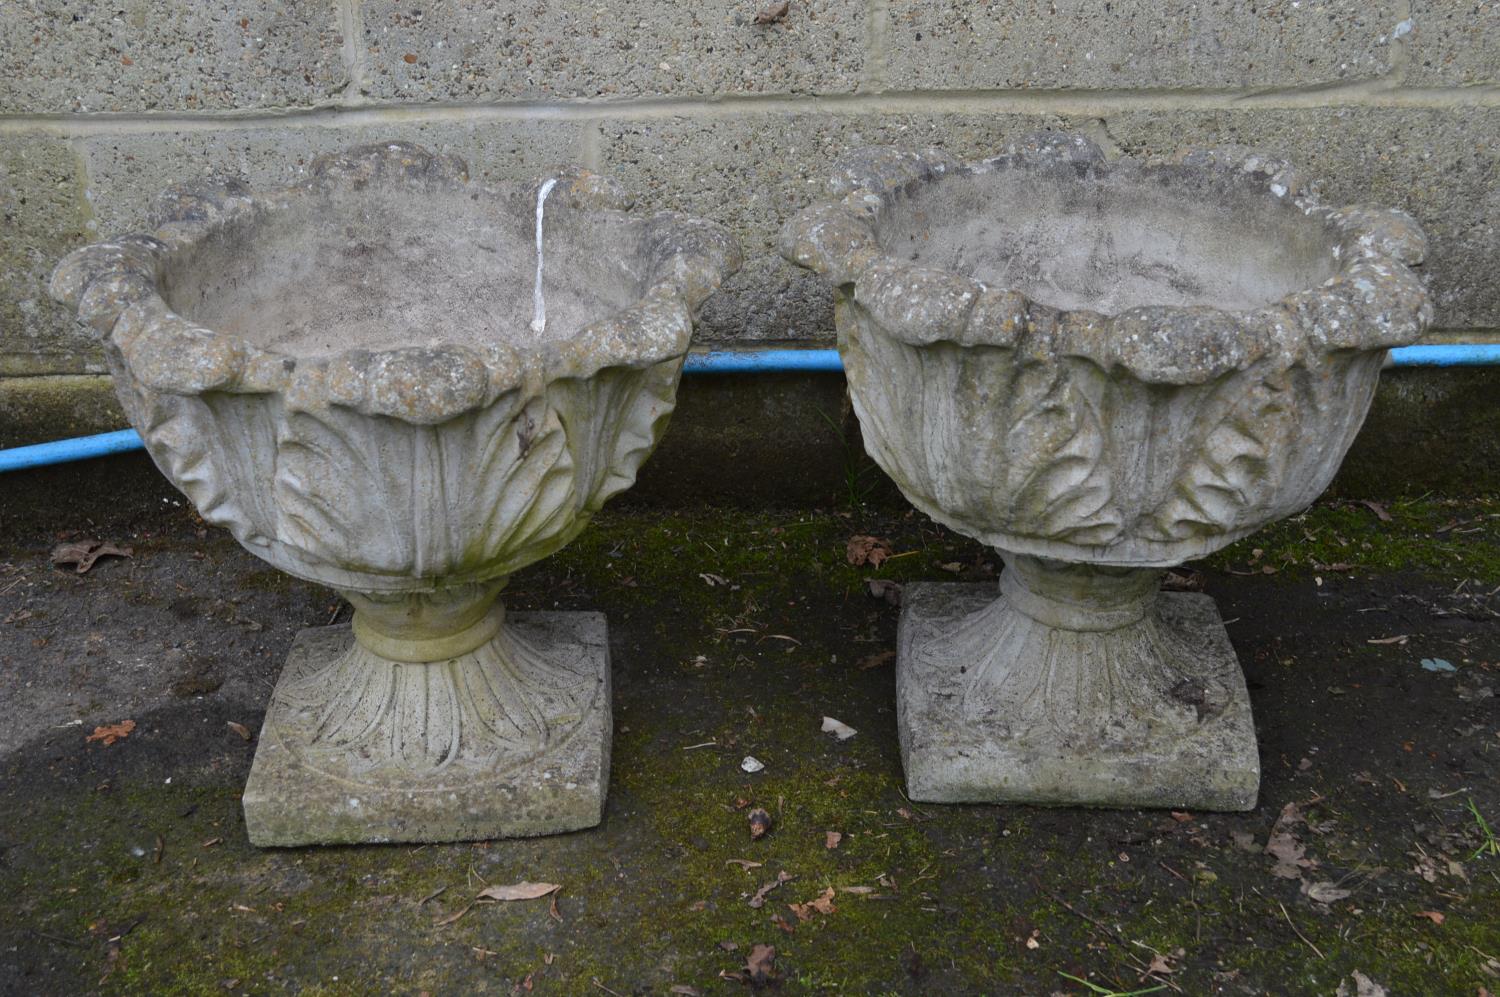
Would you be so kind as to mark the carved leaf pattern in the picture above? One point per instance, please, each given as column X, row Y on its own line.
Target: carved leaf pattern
column 1011, row 449
column 477, row 715
column 1026, row 678
column 365, row 501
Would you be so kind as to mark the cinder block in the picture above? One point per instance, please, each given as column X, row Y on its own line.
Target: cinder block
column 43, row 214
column 1453, row 44
column 126, row 170
column 608, row 48
column 753, row 171
column 159, row 55
column 1137, row 44
column 1440, row 164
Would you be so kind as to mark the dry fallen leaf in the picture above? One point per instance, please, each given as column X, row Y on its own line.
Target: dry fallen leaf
column 1285, row 848
column 110, row 733
column 745, row 864
column 831, row 839
column 876, row 660
column 838, row 729
column 783, row 924
column 774, row 13
column 884, row 588
column 685, row 991
column 867, row 550
column 759, row 900
column 1363, row 987
column 1183, row 580
column 821, row 904
column 84, row 553
column 1159, row 964
column 1432, row 916
column 239, row 729
column 1324, row 892
column 761, row 966
column 518, row 891
column 760, row 823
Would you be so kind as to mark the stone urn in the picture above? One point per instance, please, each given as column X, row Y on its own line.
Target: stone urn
column 1100, row 369
column 406, row 385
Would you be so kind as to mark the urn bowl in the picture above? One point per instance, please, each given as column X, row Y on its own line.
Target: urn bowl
column 1128, row 363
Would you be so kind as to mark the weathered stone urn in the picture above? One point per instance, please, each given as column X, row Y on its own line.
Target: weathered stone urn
column 353, row 375
column 1101, row 369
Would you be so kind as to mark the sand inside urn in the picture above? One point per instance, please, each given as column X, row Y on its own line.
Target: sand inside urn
column 1109, row 239
column 381, row 269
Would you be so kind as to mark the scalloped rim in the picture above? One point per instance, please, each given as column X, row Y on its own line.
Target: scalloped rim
column 1374, row 301
column 113, row 286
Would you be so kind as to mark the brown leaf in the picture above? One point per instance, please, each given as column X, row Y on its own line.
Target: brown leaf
column 760, row 823
column 1377, row 509
column 1284, row 846
column 761, row 966
column 84, row 553
column 822, row 904
column 1159, row 964
column 867, row 550
column 745, row 864
column 239, row 729
column 759, row 900
column 774, row 13
column 518, row 891
column 1432, row 916
column 884, row 588
column 831, row 839
column 110, row 733
column 1183, row 580
column 783, row 924
column 876, row 660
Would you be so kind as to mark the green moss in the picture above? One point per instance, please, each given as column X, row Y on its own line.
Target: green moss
column 707, row 673
column 1431, row 536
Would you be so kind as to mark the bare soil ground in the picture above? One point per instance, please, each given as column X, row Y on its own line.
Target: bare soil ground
column 125, row 869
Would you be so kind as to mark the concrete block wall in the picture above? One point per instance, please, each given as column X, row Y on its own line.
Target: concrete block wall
column 697, row 107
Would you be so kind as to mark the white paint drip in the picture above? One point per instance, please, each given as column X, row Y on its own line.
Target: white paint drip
column 538, row 305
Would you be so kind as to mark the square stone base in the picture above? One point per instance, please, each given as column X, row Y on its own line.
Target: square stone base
column 299, row 795
column 951, row 758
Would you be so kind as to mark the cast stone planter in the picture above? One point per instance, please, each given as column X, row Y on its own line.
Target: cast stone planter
column 1101, row 369
column 349, row 375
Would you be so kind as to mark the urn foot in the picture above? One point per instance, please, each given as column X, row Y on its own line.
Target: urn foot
column 1079, row 686
column 509, row 738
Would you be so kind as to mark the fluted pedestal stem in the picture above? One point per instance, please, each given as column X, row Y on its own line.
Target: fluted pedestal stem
column 1079, row 684
column 435, row 716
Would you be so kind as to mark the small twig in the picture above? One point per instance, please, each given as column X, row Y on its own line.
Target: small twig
column 705, row 744
column 1298, row 931
column 68, row 941
column 1113, row 936
column 595, row 982
column 1174, row 872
